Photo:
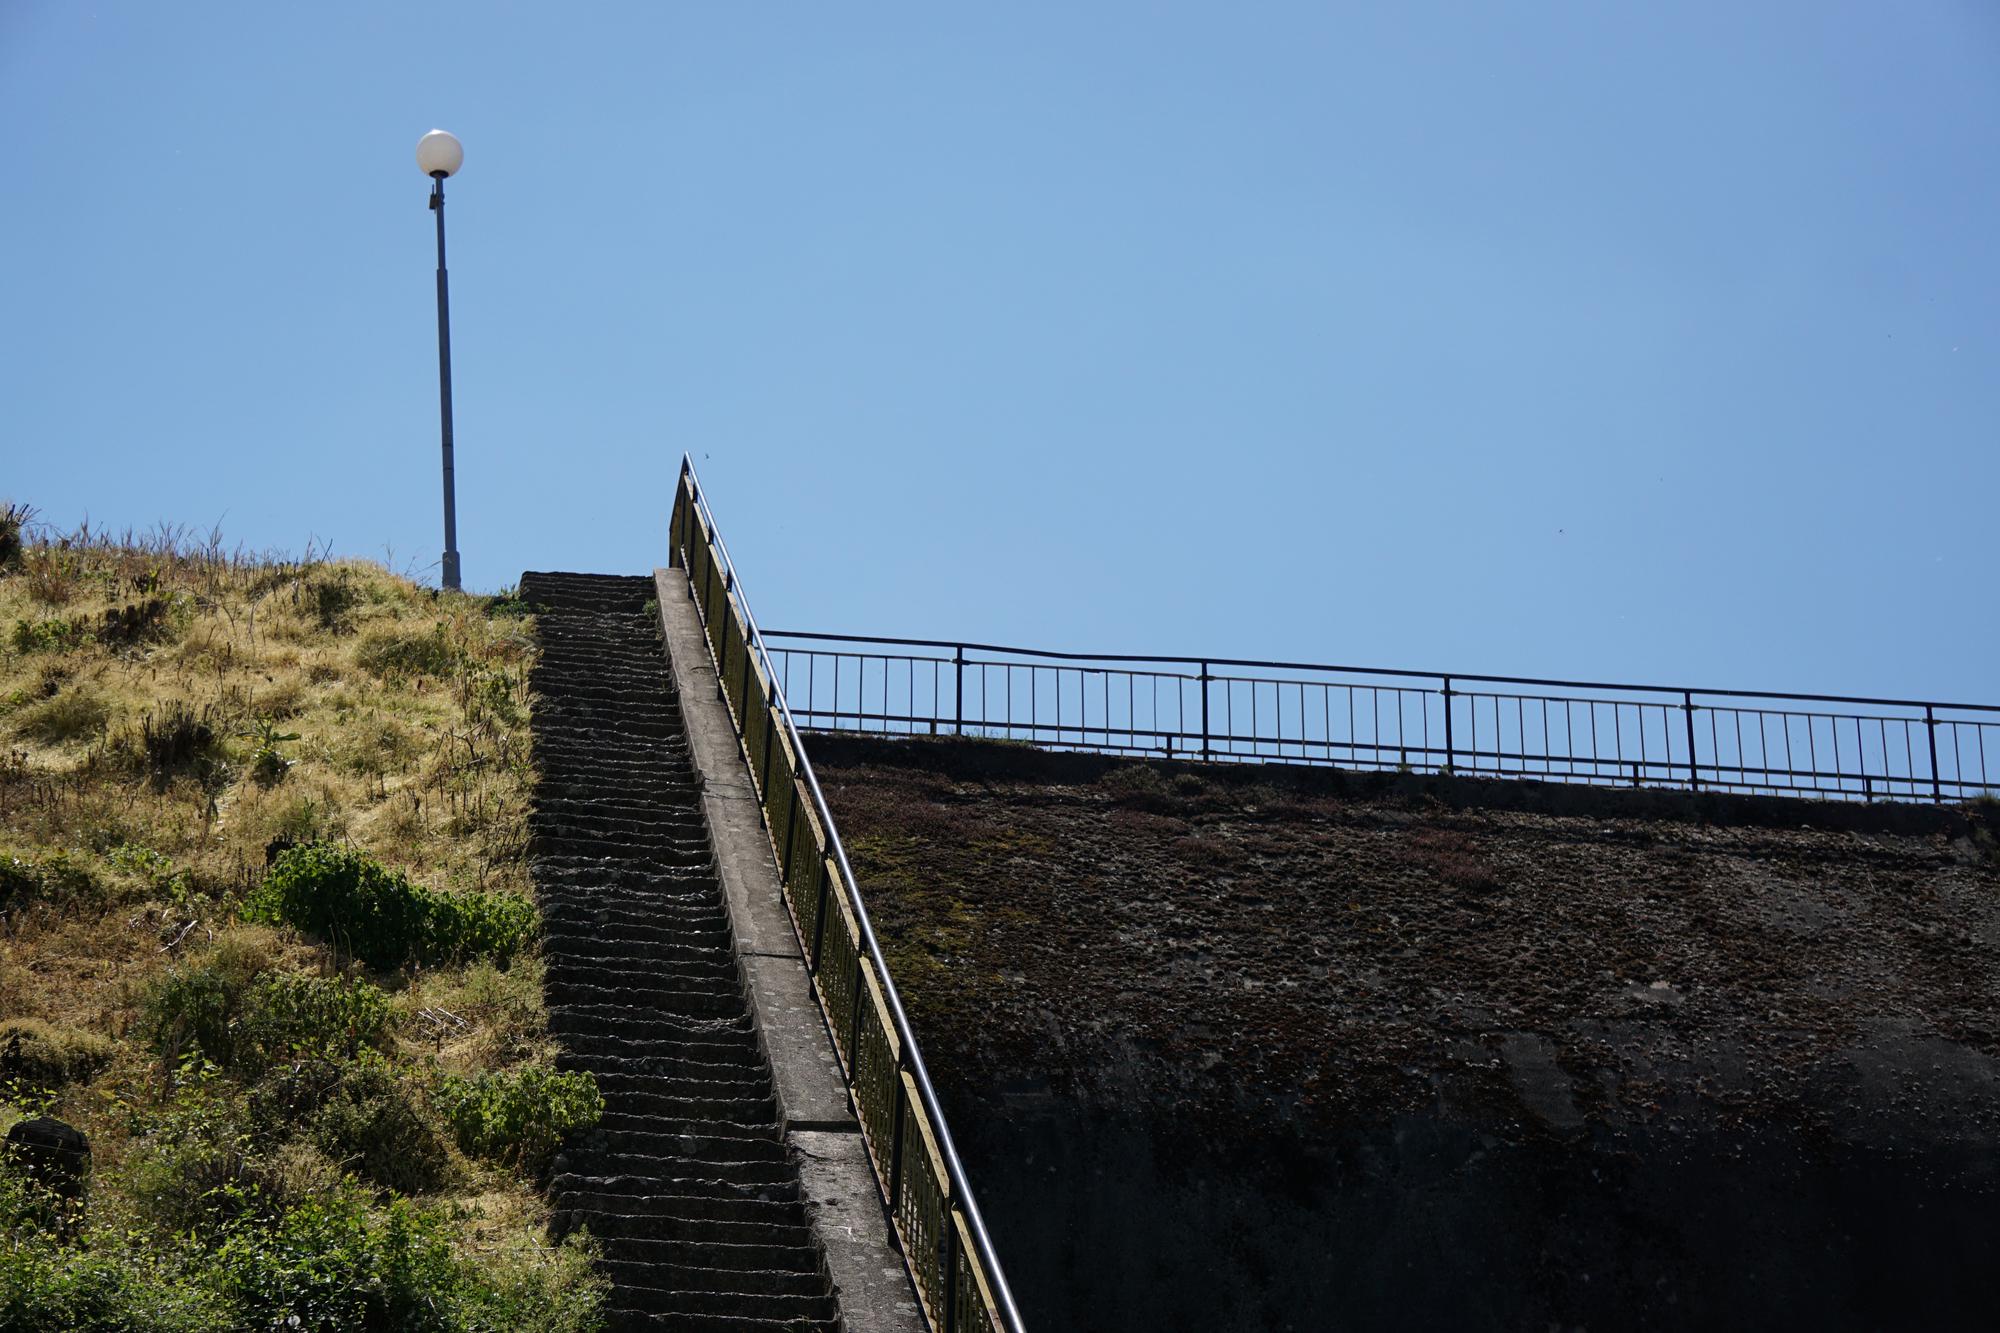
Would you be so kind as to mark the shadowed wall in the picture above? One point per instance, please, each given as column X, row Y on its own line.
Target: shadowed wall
column 1256, row 1048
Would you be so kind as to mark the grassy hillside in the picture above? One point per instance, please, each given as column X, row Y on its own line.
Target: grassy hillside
column 265, row 937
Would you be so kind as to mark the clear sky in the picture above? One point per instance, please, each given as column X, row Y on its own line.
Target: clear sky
column 1651, row 342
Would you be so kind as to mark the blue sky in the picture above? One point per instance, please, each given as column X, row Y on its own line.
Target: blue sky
column 1623, row 342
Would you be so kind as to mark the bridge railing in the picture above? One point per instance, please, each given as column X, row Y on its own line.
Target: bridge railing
column 945, row 1242
column 1827, row 746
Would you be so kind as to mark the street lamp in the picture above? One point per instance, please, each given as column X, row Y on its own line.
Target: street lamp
column 440, row 154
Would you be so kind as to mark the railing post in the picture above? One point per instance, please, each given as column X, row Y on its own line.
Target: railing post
column 1204, row 710
column 791, row 837
column 1694, row 771
column 899, row 1100
column 1450, row 750
column 770, row 725
column 819, row 918
column 854, row 1018
column 958, row 689
column 1930, row 733
column 948, row 1259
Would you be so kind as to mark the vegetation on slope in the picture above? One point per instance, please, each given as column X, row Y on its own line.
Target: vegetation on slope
column 265, row 937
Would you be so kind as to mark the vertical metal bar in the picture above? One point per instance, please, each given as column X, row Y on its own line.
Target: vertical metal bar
column 791, row 834
column 948, row 1259
column 1694, row 772
column 958, row 689
column 1930, row 733
column 898, row 1101
column 1204, row 710
column 819, row 916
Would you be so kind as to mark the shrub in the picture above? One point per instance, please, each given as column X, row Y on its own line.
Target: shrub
column 371, row 1125
column 191, row 1009
column 178, row 739
column 521, row 1117
column 38, row 1055
column 246, row 1022
column 13, row 518
column 46, row 1285
column 332, row 600
column 329, row 1264
column 47, row 636
column 293, row 1014
column 340, row 895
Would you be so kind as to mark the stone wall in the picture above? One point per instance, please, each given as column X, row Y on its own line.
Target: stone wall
column 1256, row 1048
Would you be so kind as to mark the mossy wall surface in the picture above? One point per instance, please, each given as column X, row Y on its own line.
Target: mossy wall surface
column 1240, row 1048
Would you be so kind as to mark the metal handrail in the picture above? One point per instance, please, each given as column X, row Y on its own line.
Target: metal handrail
column 1378, row 671
column 961, row 1189
column 1849, row 746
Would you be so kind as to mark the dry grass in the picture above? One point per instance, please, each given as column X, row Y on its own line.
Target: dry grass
column 171, row 712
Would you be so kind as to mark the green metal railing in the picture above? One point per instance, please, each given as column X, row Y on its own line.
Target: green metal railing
column 950, row 1256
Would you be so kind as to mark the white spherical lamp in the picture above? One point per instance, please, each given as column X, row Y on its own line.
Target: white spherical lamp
column 440, row 153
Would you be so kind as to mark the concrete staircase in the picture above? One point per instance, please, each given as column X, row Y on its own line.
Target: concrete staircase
column 687, row 1181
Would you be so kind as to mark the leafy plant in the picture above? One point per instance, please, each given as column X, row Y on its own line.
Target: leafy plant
column 269, row 764
column 519, row 1118
column 248, row 1022
column 338, row 894
column 371, row 1125
column 52, row 635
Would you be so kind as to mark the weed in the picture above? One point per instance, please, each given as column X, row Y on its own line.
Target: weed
column 269, row 764
column 178, row 739
column 519, row 1118
column 369, row 1124
column 1453, row 857
column 339, row 895
column 64, row 880
column 14, row 518
column 51, row 635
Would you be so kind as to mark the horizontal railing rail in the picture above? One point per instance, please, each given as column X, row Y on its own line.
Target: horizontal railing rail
column 944, row 1239
column 1843, row 747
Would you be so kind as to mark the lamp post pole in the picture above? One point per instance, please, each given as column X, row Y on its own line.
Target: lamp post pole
column 439, row 155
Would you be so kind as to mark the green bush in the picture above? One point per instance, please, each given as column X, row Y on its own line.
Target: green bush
column 372, row 1126
column 53, row 635
column 331, row 1017
column 47, row 1286
column 522, row 1117
column 245, row 1022
column 334, row 1263
column 340, row 895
